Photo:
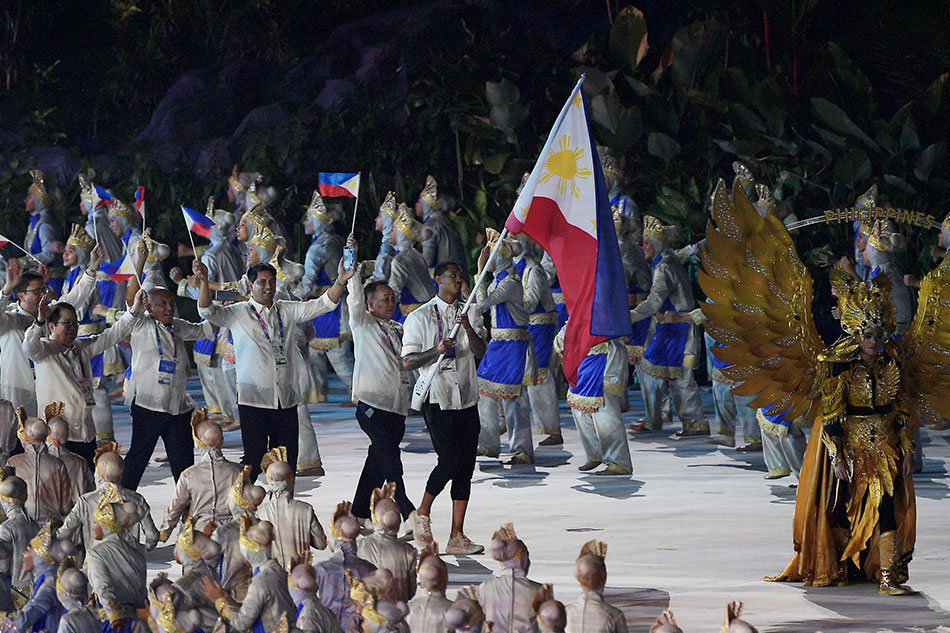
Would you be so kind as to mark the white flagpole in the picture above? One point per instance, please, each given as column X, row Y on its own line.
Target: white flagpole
column 425, row 380
column 359, row 181
column 188, row 229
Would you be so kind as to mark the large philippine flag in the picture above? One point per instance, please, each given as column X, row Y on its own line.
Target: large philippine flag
column 564, row 207
column 119, row 270
column 338, row 185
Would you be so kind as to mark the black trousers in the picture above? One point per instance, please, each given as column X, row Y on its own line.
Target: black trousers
column 385, row 430
column 147, row 427
column 264, row 429
column 454, row 436
column 86, row 450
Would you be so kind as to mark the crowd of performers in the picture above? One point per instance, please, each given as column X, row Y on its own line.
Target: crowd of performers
column 271, row 328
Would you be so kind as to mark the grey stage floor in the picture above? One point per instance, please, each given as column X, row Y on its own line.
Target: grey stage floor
column 695, row 526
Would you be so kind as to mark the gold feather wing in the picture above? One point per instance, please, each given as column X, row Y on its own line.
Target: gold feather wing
column 925, row 350
column 761, row 315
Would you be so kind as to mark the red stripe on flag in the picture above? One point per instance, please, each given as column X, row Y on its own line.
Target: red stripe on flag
column 575, row 256
column 201, row 229
column 334, row 191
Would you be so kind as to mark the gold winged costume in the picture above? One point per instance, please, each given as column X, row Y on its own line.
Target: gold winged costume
column 761, row 316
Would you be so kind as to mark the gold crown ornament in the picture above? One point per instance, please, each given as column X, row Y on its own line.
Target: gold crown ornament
column 863, row 305
column 21, row 417
column 86, row 190
column 491, row 238
column 524, row 181
column 186, row 538
column 38, row 187
column 237, row 488
column 258, row 217
column 318, row 208
column 119, row 209
column 166, row 615
column 41, row 543
column 197, row 418
column 404, row 221
column 252, row 198
column 618, row 219
column 611, row 167
column 945, row 225
column 245, row 522
column 344, row 508
column 234, row 179
column 389, row 205
column 868, row 199
column 594, row 548
column 266, row 239
column 387, row 491
column 275, row 261
column 430, row 192
column 104, row 514
column 363, row 595
column 276, row 454
column 882, row 237
column 652, row 227
column 80, row 239
column 54, row 410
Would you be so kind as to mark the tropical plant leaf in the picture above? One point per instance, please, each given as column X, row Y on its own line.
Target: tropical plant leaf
column 838, row 120
column 628, row 36
column 662, row 146
column 928, row 159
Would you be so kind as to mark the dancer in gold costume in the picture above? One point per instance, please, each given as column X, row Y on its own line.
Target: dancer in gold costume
column 855, row 513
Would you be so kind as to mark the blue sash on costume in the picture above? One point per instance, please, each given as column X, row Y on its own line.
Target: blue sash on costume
column 503, row 363
column 668, row 343
column 327, row 326
column 542, row 334
column 41, row 623
column 36, row 245
column 588, row 393
column 559, row 306
column 204, row 349
column 406, row 298
column 778, row 420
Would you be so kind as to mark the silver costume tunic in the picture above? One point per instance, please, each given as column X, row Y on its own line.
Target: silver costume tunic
column 296, row 528
column 117, row 574
column 408, row 272
column 78, row 526
column 506, row 599
column 334, row 589
column 590, row 613
column 18, row 530
column 312, row 615
column 382, row 549
column 202, row 490
column 49, row 493
column 80, row 477
column 267, row 598
column 235, row 571
column 427, row 612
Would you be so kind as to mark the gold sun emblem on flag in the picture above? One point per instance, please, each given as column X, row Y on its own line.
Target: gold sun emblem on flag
column 565, row 165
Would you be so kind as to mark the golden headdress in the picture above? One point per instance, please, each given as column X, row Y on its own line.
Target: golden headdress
column 491, row 237
column 237, row 488
column 119, row 209
column 234, row 179
column 387, row 491
column 611, row 167
column 544, row 593
column 389, row 205
column 365, row 597
column 104, row 514
column 112, row 446
column 344, row 508
column 38, row 187
column 266, row 239
column 868, row 199
column 80, row 239
column 318, row 208
column 276, row 261
column 86, row 190
column 744, row 178
column 245, row 522
column 41, row 543
column 186, row 538
column 524, row 181
column 166, row 615
column 594, row 548
column 945, row 225
column 258, row 217
column 197, row 418
column 276, row 454
column 863, row 305
column 156, row 250
column 882, row 237
column 252, row 198
column 404, row 221
column 652, row 227
column 54, row 410
column 21, row 417
column 618, row 219
column 430, row 192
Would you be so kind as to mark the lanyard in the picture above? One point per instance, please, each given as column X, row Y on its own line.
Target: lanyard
column 389, row 337
column 72, row 368
column 280, row 324
column 158, row 341
column 438, row 318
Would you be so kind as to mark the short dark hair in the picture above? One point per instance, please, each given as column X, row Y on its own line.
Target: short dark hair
column 25, row 281
column 442, row 267
column 58, row 310
column 256, row 269
column 369, row 292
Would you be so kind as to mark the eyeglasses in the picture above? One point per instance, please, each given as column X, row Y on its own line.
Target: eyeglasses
column 67, row 324
column 35, row 291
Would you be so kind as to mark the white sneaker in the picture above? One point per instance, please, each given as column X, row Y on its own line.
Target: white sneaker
column 410, row 524
column 461, row 545
column 422, row 529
